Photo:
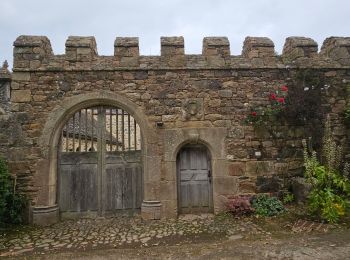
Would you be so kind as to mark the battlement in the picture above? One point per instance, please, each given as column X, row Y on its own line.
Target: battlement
column 35, row 53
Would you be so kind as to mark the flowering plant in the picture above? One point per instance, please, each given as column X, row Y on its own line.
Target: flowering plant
column 261, row 115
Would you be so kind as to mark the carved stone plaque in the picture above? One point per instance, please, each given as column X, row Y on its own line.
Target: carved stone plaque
column 192, row 109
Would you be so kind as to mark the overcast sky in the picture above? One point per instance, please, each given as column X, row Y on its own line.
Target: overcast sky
column 150, row 19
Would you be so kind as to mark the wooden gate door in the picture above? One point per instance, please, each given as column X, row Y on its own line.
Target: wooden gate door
column 194, row 180
column 100, row 169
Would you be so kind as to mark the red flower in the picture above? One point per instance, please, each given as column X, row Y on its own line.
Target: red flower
column 273, row 96
column 281, row 100
column 284, row 88
column 254, row 113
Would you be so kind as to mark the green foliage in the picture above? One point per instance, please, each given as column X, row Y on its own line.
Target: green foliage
column 11, row 203
column 288, row 198
column 267, row 206
column 330, row 193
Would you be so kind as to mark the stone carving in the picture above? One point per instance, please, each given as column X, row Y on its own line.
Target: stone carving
column 193, row 109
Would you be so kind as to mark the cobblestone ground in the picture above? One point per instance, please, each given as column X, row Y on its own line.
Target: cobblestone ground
column 123, row 232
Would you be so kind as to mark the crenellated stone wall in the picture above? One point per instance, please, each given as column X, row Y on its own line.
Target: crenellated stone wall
column 46, row 88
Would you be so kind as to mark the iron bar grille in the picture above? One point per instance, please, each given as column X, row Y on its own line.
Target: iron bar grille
column 115, row 127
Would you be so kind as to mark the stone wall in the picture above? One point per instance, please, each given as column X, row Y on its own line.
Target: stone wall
column 5, row 115
column 178, row 98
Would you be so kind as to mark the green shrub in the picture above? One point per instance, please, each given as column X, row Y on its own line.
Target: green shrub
column 267, row 206
column 12, row 204
column 288, row 198
column 330, row 192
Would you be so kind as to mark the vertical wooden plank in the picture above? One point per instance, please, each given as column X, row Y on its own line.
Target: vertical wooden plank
column 101, row 147
column 128, row 184
column 117, row 128
column 73, row 132
column 79, row 132
column 64, row 181
column 84, row 179
column 119, row 187
column 139, row 186
column 92, row 128
column 133, row 188
column 129, row 137
column 109, row 186
column 67, row 136
column 75, row 189
column 135, row 135
column 86, row 130
column 110, row 130
column 123, row 131
column 61, row 143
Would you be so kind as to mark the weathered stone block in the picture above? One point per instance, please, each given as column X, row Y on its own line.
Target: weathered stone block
column 225, row 185
column 338, row 49
column 269, row 184
column 226, row 93
column 21, row 96
column 45, row 215
column 151, row 210
column 81, row 48
column 256, row 168
column 298, row 47
column 21, row 76
column 236, row 169
column 258, row 47
column 301, row 189
column 216, row 46
column 126, row 47
column 247, row 186
column 35, row 48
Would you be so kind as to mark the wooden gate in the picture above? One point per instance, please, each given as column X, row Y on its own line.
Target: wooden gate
column 194, row 180
column 100, row 169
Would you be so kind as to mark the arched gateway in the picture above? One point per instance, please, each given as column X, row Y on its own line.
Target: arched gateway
column 99, row 163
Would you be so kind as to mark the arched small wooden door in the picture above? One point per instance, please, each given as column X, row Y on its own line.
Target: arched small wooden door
column 194, row 180
column 100, row 169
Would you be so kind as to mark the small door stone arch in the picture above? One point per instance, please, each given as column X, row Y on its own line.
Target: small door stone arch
column 194, row 179
column 174, row 140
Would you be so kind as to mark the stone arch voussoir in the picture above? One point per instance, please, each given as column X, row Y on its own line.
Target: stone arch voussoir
column 46, row 209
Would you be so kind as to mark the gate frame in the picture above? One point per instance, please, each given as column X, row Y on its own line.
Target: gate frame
column 46, row 209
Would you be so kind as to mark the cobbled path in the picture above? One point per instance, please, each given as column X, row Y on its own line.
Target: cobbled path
column 123, row 232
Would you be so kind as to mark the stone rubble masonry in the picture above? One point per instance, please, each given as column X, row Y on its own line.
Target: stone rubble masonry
column 177, row 98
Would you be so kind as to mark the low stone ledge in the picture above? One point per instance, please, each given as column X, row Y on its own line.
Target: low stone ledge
column 45, row 215
column 151, row 209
